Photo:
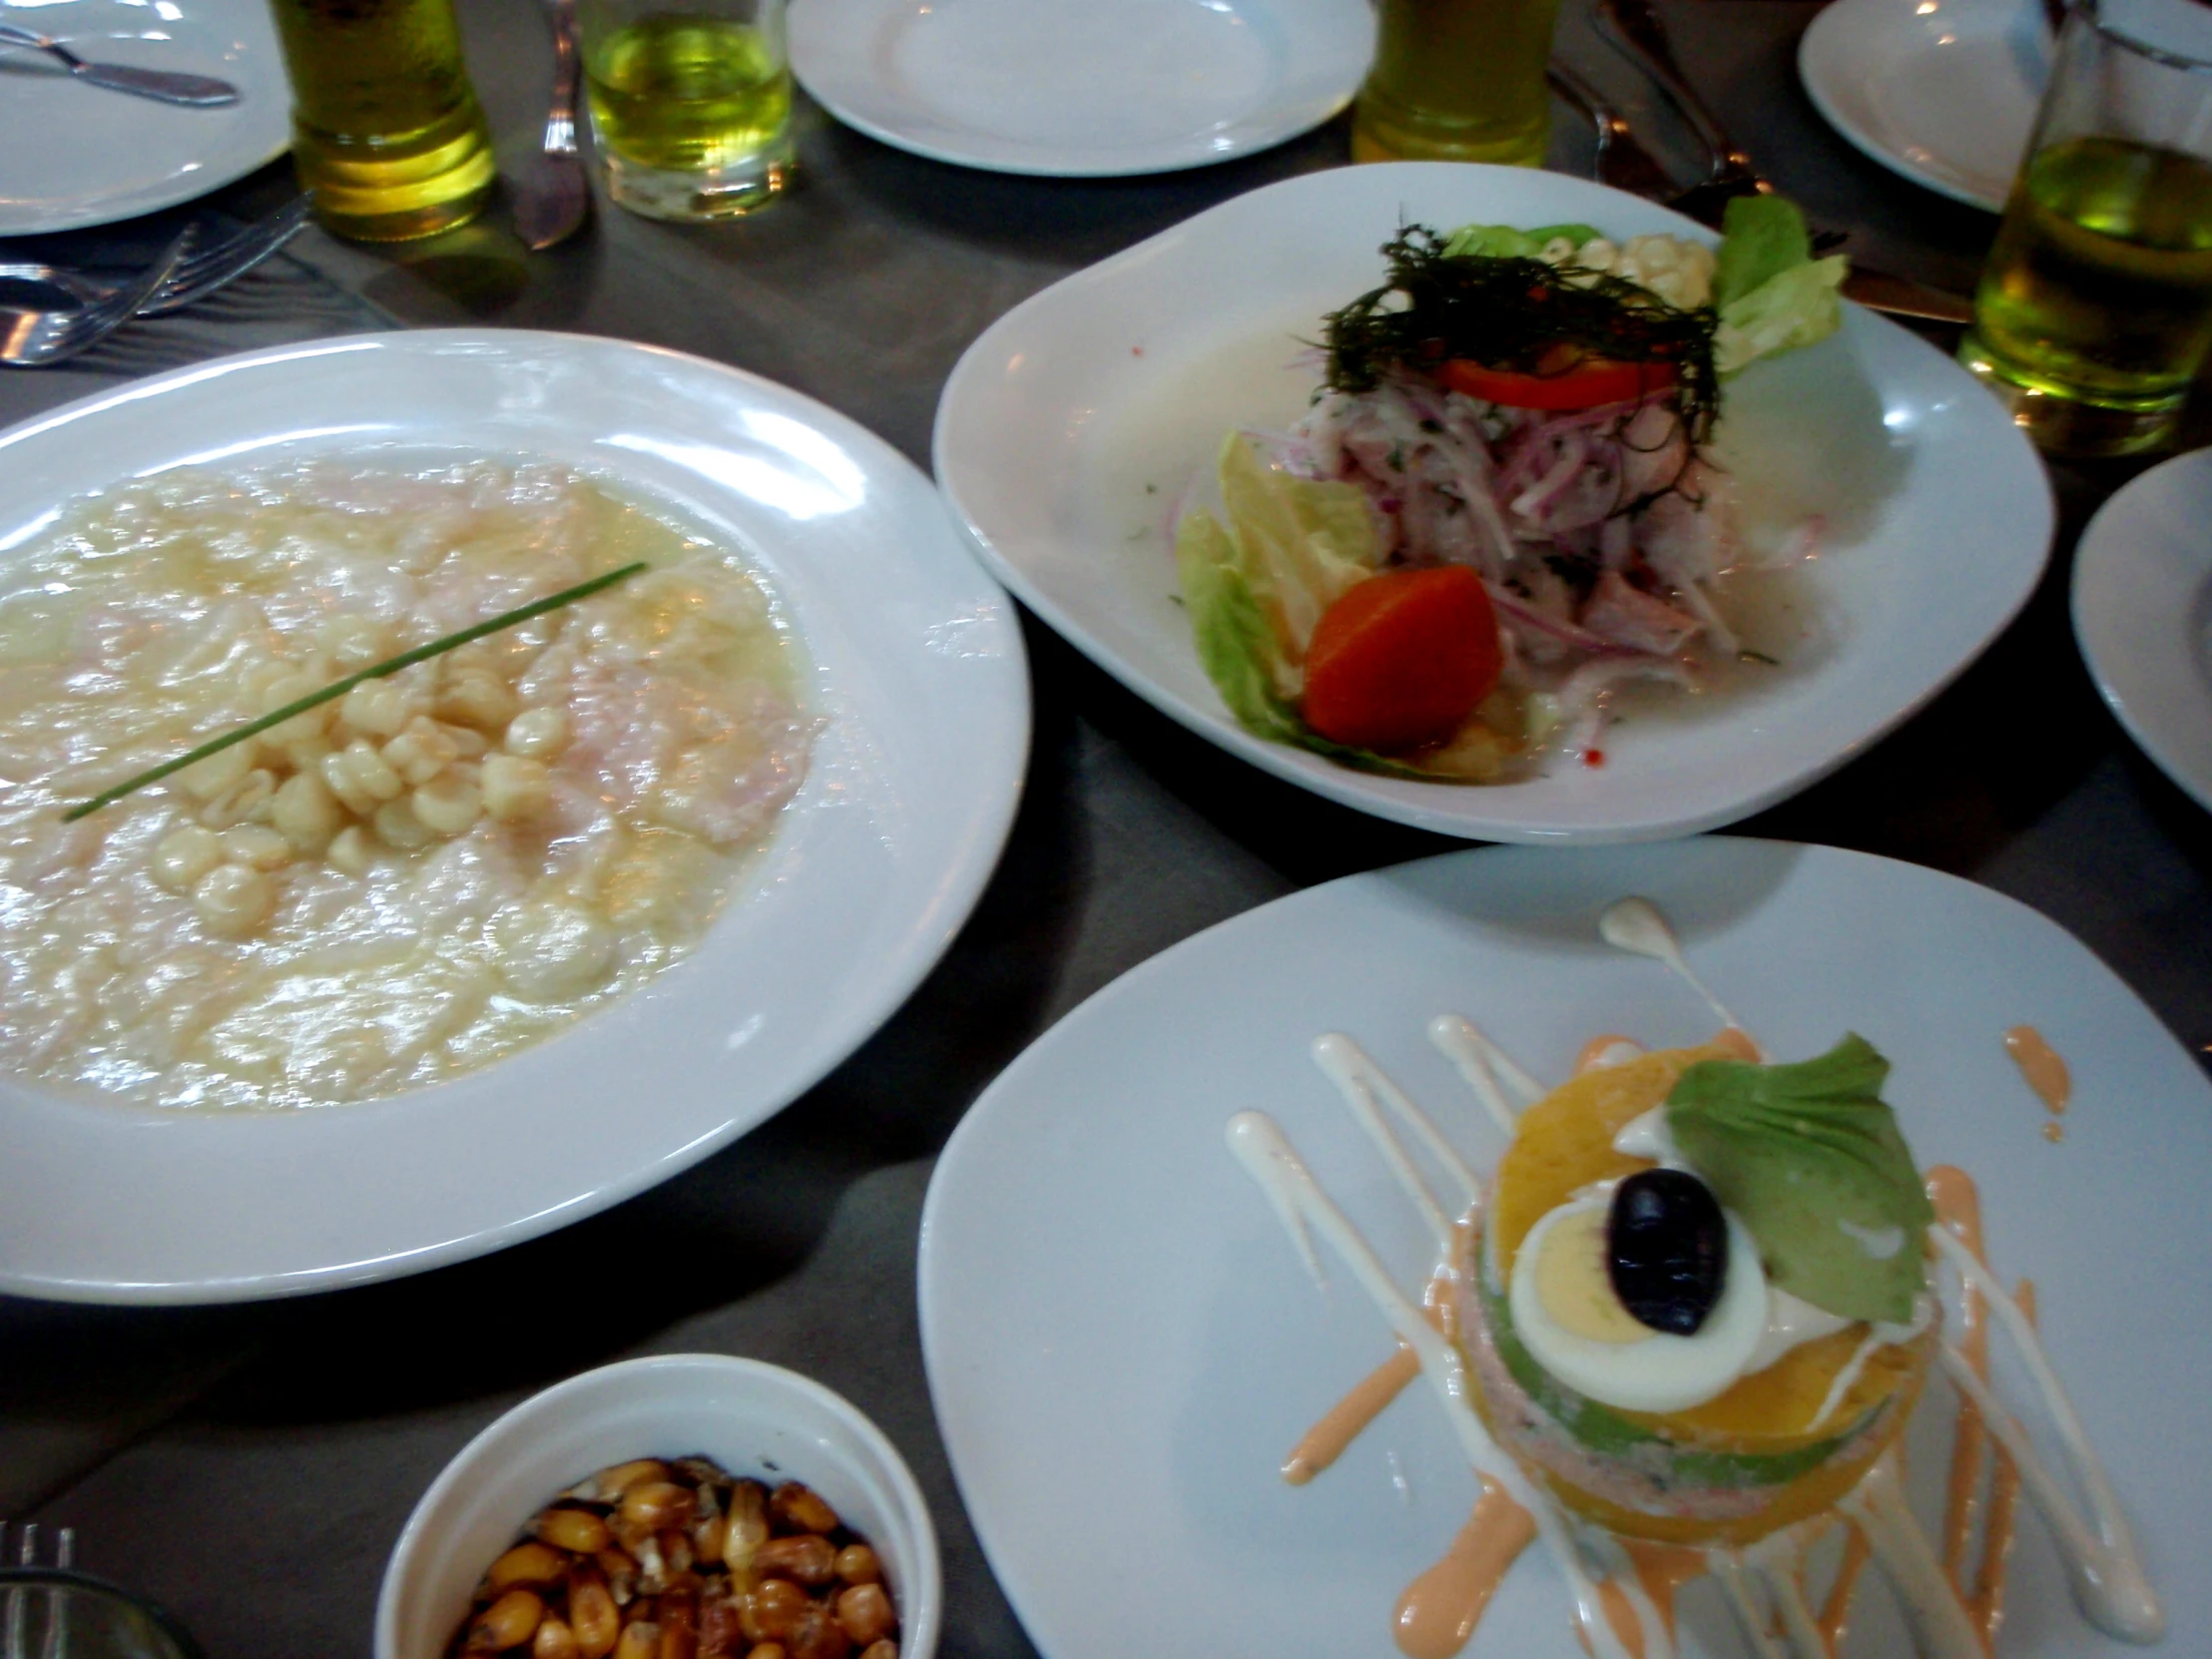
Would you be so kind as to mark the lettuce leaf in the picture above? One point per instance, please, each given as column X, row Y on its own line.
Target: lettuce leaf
column 1299, row 543
column 1810, row 1157
column 1772, row 294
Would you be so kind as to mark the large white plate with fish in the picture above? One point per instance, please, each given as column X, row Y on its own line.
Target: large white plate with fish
column 2142, row 613
column 1068, row 427
column 1942, row 92
column 1123, row 1344
column 1081, row 88
column 73, row 155
column 919, row 676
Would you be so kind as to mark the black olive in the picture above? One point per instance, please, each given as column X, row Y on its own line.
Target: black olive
column 1666, row 1247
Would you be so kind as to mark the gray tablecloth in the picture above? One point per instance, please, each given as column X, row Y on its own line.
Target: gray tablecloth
column 250, row 1466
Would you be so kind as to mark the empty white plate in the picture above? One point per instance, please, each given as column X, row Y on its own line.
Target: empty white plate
column 1068, row 428
column 1123, row 1346
column 2142, row 612
column 915, row 666
column 1081, row 88
column 73, row 155
column 1940, row 91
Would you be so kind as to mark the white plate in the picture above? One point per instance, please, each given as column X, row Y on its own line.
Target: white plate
column 1122, row 1344
column 1068, row 427
column 73, row 155
column 1940, row 91
column 1081, row 88
column 2142, row 612
column 917, row 669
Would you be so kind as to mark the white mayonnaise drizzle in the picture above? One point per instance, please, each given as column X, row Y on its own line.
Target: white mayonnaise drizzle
column 1482, row 1063
column 1637, row 926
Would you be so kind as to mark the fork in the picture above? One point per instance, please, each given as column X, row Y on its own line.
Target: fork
column 35, row 338
column 197, row 276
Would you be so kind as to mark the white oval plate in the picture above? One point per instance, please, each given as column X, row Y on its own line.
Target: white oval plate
column 1942, row 92
column 73, row 155
column 2142, row 613
column 1081, row 88
column 1123, row 1346
column 918, row 670
column 1066, row 429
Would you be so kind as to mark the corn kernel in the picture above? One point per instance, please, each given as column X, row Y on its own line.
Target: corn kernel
column 515, row 786
column 539, row 733
column 351, row 852
column 185, row 855
column 233, row 900
column 257, row 846
column 449, row 803
column 398, row 825
column 305, row 812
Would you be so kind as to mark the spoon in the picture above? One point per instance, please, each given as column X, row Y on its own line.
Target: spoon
column 163, row 85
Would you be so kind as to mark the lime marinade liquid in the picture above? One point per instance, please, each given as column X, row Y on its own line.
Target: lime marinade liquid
column 688, row 94
column 2099, row 287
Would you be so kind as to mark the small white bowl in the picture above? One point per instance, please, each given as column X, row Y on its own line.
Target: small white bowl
column 752, row 1419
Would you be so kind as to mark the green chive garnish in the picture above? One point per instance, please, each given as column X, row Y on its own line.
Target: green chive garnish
column 382, row 670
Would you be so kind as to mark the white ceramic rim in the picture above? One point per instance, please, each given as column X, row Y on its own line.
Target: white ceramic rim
column 853, row 97
column 922, row 1601
column 926, row 907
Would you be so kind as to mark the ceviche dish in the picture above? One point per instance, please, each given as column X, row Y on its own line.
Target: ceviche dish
column 483, row 743
column 1679, row 1332
column 1502, row 506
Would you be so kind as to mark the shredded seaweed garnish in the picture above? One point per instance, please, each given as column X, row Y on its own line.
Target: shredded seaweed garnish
column 1516, row 314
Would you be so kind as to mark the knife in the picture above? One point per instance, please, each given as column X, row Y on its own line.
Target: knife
column 163, row 85
column 552, row 196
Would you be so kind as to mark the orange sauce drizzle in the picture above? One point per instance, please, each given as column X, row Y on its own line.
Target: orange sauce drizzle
column 1662, row 1569
column 1441, row 1608
column 2042, row 1065
column 1325, row 1442
column 1835, row 1617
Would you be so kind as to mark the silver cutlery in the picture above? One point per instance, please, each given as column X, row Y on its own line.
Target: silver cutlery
column 1635, row 28
column 197, row 276
column 34, row 339
column 163, row 85
column 551, row 196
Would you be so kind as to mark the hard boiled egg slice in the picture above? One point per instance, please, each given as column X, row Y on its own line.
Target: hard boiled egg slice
column 1567, row 1315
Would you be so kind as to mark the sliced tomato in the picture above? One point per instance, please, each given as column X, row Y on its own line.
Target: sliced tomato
column 1590, row 382
column 1402, row 658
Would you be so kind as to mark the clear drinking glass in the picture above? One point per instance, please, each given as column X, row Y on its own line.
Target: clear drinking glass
column 1456, row 81
column 2096, row 308
column 691, row 104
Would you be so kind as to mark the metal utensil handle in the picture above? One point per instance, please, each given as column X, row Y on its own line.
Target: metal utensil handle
column 560, row 119
column 1638, row 28
column 28, row 37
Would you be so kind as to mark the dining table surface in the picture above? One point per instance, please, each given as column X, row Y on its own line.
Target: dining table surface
column 250, row 1466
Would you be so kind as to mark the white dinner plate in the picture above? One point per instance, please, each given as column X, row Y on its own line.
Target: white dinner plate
column 1068, row 427
column 1081, row 88
column 917, row 669
column 1123, row 1344
column 2142, row 612
column 73, row 155
column 1940, row 91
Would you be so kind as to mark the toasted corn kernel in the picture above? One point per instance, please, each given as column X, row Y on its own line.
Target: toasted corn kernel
column 885, row 1649
column 450, row 802
column 866, row 1613
column 592, row 1614
column 258, row 846
column 305, row 812
column 638, row 1641
column 679, row 1622
column 747, row 1529
column 184, row 856
column 530, row 1564
column 773, row 1610
column 622, row 1575
column 233, row 900
column 351, row 852
column 655, row 1504
column 508, row 1622
column 555, row 1639
column 800, row 1508
column 856, row 1564
column 706, row 1537
column 769, row 1650
column 219, row 773
column 515, row 786
column 676, row 1551
column 653, row 1573
column 819, row 1635
column 803, row 1557
column 578, row 1530
column 539, row 733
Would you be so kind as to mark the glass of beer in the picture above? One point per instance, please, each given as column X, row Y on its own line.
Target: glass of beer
column 386, row 130
column 1456, row 81
column 691, row 104
column 2095, row 310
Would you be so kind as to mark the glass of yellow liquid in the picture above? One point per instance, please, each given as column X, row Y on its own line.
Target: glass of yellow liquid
column 386, row 130
column 2095, row 310
column 691, row 104
column 1456, row 81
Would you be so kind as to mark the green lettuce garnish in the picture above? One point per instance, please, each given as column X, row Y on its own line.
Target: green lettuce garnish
column 1772, row 294
column 1506, row 242
column 1810, row 1157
